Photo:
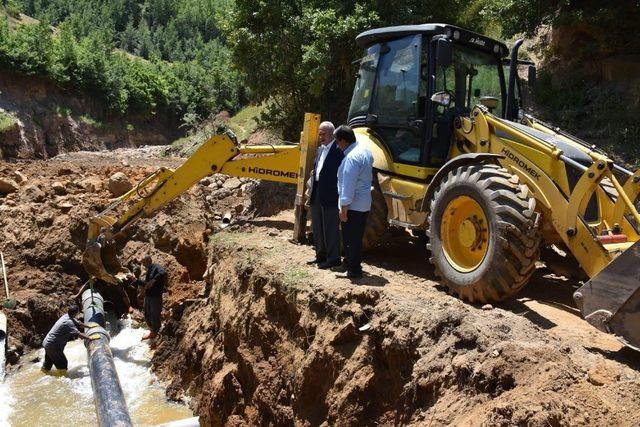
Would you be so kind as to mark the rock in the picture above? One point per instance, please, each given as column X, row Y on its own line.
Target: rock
column 232, row 183
column 45, row 220
column 64, row 206
column 92, row 184
column 20, row 177
column 238, row 209
column 206, row 181
column 35, row 194
column 487, row 307
column 599, row 375
column 119, row 184
column 595, row 379
column 222, row 193
column 67, row 169
column 59, row 188
column 7, row 186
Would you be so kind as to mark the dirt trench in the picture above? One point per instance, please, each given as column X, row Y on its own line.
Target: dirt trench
column 43, row 230
column 270, row 341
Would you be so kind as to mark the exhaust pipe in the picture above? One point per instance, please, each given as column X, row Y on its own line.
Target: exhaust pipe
column 511, row 107
column 111, row 407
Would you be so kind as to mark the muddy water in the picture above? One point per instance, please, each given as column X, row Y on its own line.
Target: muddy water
column 29, row 397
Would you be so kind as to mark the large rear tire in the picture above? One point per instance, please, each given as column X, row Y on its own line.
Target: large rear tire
column 377, row 222
column 483, row 233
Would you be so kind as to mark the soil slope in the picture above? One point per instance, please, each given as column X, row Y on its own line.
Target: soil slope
column 39, row 120
column 273, row 341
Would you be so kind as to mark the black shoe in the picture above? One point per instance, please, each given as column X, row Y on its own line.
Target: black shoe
column 329, row 265
column 315, row 261
column 349, row 275
column 341, row 268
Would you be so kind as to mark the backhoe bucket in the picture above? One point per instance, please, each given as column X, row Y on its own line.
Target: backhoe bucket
column 610, row 301
column 100, row 261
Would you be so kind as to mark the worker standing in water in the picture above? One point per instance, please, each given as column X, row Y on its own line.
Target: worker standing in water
column 154, row 282
column 64, row 330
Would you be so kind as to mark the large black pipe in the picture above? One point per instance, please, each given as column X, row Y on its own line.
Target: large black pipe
column 111, row 407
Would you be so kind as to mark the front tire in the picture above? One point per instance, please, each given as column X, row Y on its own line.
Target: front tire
column 483, row 233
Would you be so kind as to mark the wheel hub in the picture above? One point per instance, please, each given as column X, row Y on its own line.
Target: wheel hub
column 464, row 233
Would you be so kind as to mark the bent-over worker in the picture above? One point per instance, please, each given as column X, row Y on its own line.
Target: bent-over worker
column 154, row 282
column 64, row 330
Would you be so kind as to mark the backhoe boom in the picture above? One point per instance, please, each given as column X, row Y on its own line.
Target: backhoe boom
column 220, row 154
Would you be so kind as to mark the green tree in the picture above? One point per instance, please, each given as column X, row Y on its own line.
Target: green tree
column 298, row 56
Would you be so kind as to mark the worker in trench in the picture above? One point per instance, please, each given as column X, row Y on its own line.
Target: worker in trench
column 66, row 329
column 153, row 285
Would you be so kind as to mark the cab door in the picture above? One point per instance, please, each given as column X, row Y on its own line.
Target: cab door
column 397, row 111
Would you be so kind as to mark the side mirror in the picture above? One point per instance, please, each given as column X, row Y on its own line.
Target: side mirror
column 441, row 98
column 531, row 75
column 444, row 53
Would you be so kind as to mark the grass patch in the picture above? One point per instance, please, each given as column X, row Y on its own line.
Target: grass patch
column 245, row 122
column 91, row 121
column 294, row 276
column 7, row 121
column 62, row 111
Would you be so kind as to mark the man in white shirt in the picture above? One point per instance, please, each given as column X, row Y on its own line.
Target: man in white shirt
column 324, row 200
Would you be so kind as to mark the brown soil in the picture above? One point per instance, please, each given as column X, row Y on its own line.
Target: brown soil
column 254, row 336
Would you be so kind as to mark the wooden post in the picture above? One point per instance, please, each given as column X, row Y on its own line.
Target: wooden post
column 4, row 274
column 308, row 148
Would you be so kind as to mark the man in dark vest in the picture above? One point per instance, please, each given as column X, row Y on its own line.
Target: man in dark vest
column 324, row 200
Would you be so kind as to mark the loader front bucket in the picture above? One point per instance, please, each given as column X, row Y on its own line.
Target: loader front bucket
column 610, row 301
column 100, row 260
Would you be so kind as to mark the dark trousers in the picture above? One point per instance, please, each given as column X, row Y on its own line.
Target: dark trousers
column 352, row 234
column 153, row 312
column 326, row 232
column 54, row 357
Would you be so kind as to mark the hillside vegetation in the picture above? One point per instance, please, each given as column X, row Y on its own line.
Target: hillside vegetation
column 181, row 66
column 194, row 58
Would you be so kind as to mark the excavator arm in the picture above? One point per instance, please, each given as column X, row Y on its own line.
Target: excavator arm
column 220, row 154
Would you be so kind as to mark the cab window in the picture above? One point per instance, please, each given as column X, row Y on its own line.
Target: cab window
column 365, row 79
column 396, row 99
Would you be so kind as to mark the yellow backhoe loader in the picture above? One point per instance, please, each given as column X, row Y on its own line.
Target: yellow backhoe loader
column 457, row 161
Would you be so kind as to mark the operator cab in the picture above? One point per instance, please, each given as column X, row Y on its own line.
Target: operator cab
column 415, row 79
